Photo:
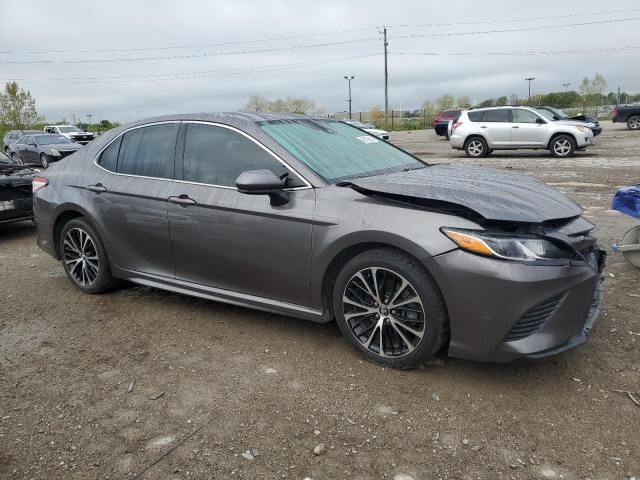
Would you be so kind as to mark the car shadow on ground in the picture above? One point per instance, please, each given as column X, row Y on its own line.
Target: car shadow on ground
column 325, row 340
column 16, row 231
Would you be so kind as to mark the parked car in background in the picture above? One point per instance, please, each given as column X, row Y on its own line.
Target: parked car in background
column 481, row 131
column 555, row 114
column 310, row 218
column 441, row 121
column 72, row 132
column 11, row 136
column 369, row 128
column 629, row 114
column 43, row 148
column 16, row 202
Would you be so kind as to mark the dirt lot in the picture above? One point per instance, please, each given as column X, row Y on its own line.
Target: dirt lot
column 233, row 380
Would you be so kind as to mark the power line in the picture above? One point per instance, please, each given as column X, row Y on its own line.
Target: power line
column 197, row 45
column 201, row 74
column 512, row 20
column 310, row 35
column 195, row 55
column 520, row 29
column 631, row 48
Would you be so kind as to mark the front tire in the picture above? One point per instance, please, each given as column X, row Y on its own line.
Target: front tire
column 84, row 258
column 562, row 146
column 44, row 160
column 633, row 123
column 390, row 308
column 476, row 147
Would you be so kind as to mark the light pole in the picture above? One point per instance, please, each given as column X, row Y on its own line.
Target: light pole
column 348, row 79
column 566, row 91
column 530, row 79
column 89, row 115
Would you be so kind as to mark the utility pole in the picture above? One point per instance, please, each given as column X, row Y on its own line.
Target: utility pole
column 566, row 91
column 530, row 79
column 618, row 97
column 89, row 115
column 348, row 79
column 386, row 81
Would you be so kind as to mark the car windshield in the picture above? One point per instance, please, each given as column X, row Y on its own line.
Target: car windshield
column 69, row 129
column 51, row 139
column 337, row 151
column 550, row 112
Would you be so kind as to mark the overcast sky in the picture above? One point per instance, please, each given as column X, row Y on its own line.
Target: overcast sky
column 175, row 62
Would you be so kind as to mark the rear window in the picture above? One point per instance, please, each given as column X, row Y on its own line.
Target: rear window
column 501, row 115
column 475, row 116
column 450, row 114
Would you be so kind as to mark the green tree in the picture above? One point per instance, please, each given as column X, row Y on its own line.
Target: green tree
column 502, row 100
column 464, row 101
column 445, row 102
column 17, row 107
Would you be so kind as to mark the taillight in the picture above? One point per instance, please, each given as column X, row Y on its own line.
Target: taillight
column 456, row 125
column 38, row 182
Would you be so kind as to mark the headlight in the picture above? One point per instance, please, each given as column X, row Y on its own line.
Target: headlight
column 55, row 152
column 527, row 248
column 583, row 129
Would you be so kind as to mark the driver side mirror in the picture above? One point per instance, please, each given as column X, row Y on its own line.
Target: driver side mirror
column 540, row 121
column 263, row 182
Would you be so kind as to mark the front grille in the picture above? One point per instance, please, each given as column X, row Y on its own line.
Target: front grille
column 66, row 153
column 533, row 320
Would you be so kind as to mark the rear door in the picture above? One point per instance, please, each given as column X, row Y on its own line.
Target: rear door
column 28, row 151
column 126, row 193
column 525, row 131
column 225, row 239
column 496, row 125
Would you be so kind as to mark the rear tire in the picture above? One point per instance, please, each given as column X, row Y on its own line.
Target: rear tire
column 633, row 122
column 476, row 147
column 84, row 258
column 562, row 146
column 407, row 316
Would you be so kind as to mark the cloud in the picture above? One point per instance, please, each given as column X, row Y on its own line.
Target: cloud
column 143, row 29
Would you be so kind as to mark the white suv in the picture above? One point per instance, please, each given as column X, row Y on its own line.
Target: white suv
column 72, row 132
column 480, row 131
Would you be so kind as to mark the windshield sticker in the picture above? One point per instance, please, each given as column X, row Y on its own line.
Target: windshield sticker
column 367, row 139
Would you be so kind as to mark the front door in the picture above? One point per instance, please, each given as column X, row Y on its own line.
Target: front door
column 225, row 239
column 525, row 129
column 127, row 195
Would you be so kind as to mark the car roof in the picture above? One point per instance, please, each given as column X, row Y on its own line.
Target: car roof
column 241, row 120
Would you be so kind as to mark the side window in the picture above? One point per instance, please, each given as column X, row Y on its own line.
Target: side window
column 498, row 115
column 29, row 140
column 217, row 156
column 109, row 156
column 475, row 116
column 148, row 151
column 523, row 116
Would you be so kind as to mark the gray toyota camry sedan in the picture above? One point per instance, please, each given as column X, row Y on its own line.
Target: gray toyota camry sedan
column 317, row 219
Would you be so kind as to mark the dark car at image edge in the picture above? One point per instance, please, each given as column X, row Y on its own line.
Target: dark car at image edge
column 311, row 218
column 16, row 202
column 629, row 114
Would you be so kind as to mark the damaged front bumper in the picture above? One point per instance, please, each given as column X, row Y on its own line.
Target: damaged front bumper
column 500, row 311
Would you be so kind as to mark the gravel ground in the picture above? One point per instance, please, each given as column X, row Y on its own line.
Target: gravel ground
column 145, row 384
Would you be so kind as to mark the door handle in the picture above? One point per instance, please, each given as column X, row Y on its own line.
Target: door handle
column 98, row 188
column 515, row 126
column 483, row 126
column 183, row 200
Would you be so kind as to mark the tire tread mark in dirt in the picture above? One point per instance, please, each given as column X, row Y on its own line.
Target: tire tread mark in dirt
column 156, row 461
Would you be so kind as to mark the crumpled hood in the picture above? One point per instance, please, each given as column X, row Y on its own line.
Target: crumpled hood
column 375, row 131
column 495, row 195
